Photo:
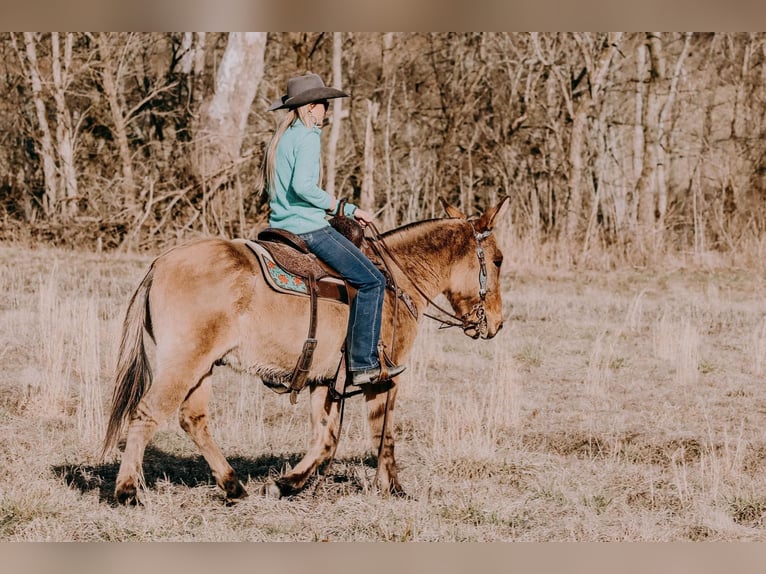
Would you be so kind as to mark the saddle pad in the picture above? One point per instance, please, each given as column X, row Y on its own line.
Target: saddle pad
column 286, row 282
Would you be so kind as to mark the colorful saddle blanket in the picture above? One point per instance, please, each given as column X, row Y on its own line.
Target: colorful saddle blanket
column 284, row 281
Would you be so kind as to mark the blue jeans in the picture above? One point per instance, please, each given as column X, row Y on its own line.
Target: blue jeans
column 367, row 307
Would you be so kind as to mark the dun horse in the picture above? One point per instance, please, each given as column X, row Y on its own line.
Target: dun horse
column 207, row 303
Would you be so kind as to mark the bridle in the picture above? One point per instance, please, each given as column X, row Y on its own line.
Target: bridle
column 476, row 318
column 479, row 309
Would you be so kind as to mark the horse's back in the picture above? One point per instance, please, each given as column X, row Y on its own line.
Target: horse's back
column 207, row 257
column 199, row 290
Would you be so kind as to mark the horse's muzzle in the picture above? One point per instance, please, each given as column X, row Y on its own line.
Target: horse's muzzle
column 481, row 331
column 490, row 333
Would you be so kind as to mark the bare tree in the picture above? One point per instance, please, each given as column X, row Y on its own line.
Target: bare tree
column 223, row 116
column 193, row 48
column 368, row 166
column 597, row 69
column 662, row 130
column 338, row 112
column 652, row 139
column 113, row 50
column 390, row 79
column 31, row 68
column 652, row 185
column 61, row 68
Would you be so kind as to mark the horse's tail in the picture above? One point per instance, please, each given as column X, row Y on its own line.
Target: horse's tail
column 134, row 372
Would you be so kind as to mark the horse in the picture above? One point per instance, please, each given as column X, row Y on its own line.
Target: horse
column 206, row 303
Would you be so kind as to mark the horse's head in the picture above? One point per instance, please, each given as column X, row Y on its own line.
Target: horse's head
column 474, row 290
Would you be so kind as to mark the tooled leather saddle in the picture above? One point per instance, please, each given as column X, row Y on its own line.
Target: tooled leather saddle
column 290, row 267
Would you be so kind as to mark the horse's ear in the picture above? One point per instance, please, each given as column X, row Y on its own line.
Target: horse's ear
column 487, row 220
column 453, row 212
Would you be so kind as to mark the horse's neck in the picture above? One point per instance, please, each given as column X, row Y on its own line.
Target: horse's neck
column 426, row 252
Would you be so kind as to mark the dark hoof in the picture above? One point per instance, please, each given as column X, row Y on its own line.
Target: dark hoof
column 233, row 501
column 127, row 495
column 234, row 492
column 278, row 488
column 399, row 493
column 395, row 491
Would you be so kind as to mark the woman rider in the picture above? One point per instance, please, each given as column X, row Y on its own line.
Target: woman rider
column 291, row 174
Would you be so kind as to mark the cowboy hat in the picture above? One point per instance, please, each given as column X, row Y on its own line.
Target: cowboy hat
column 303, row 90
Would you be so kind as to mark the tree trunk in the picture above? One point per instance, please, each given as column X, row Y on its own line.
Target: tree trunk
column 576, row 169
column 50, row 197
column 111, row 80
column 652, row 185
column 389, row 79
column 662, row 137
column 367, row 199
column 597, row 72
column 645, row 189
column 338, row 113
column 739, row 118
column 648, row 190
column 65, row 134
column 223, row 117
column 639, row 142
column 193, row 64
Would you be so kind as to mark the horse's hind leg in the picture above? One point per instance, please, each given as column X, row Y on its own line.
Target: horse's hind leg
column 159, row 402
column 170, row 387
column 324, row 442
column 377, row 405
column 193, row 417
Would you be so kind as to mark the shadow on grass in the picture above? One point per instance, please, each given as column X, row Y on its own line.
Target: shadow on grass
column 194, row 471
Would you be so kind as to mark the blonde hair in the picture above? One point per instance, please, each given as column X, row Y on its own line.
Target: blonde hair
column 267, row 174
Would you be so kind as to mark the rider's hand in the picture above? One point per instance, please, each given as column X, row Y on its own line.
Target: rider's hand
column 363, row 217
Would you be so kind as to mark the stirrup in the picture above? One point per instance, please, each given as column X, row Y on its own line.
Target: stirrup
column 375, row 375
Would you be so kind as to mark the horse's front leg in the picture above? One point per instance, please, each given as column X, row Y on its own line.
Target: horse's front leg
column 324, row 442
column 380, row 410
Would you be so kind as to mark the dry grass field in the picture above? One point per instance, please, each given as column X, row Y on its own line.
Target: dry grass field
column 623, row 405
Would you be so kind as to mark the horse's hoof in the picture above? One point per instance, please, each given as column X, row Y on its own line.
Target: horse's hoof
column 393, row 490
column 399, row 493
column 234, row 491
column 232, row 500
column 127, row 495
column 271, row 490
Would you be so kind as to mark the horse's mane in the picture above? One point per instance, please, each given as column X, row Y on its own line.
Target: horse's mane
column 409, row 226
column 408, row 230
column 420, row 241
column 437, row 228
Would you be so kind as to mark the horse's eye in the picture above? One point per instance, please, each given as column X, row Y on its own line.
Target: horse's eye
column 498, row 262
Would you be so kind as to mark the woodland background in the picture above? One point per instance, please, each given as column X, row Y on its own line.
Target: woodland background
column 629, row 145
column 624, row 398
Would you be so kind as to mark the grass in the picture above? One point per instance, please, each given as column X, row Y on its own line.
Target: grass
column 622, row 405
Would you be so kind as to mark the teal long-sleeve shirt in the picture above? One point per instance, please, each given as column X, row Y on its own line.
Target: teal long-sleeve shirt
column 297, row 203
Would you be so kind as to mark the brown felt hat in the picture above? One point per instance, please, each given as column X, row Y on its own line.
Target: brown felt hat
column 303, row 90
